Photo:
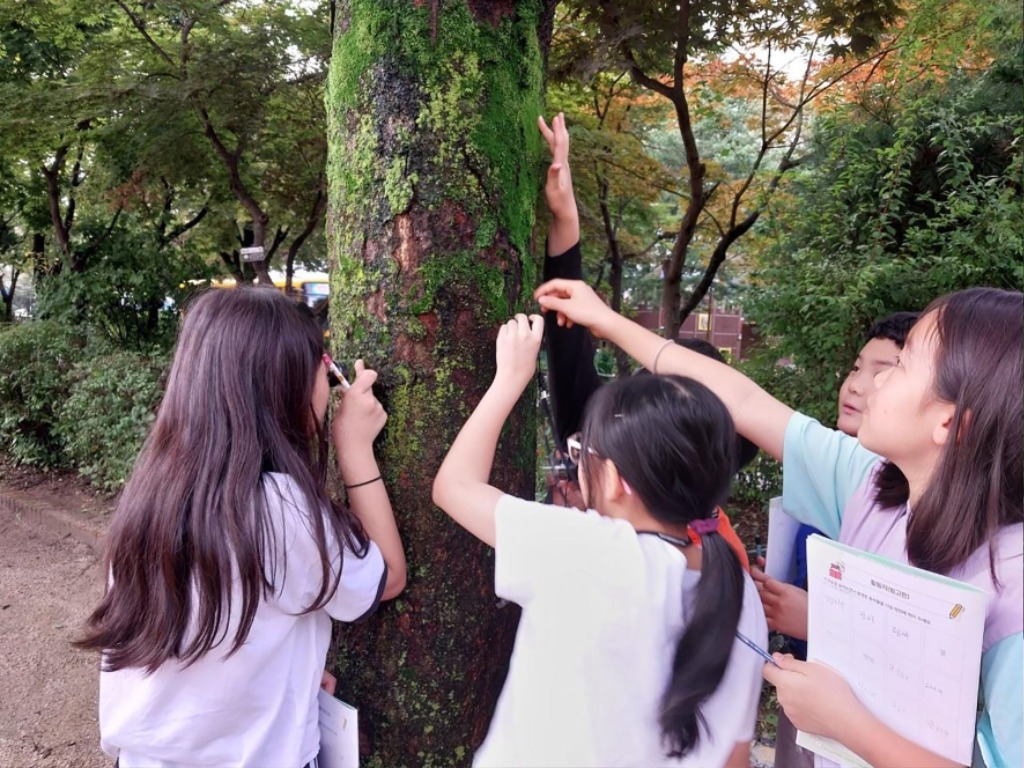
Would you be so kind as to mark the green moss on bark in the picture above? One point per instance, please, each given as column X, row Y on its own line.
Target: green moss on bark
column 433, row 172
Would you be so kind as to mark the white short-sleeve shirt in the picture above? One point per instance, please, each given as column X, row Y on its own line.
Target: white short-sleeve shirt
column 603, row 610
column 257, row 707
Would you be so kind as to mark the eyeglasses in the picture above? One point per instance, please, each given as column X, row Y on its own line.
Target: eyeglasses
column 335, row 376
column 574, row 448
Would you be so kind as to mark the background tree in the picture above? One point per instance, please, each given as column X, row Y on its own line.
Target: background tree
column 251, row 76
column 914, row 191
column 659, row 43
column 13, row 241
column 433, row 174
column 48, row 119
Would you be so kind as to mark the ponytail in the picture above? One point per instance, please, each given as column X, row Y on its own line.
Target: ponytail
column 702, row 654
column 673, row 440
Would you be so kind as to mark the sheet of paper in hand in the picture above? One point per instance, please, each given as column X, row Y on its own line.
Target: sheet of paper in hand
column 780, row 559
column 907, row 641
column 339, row 733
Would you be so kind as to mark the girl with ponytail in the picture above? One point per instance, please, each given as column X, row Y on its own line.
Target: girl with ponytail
column 934, row 478
column 628, row 651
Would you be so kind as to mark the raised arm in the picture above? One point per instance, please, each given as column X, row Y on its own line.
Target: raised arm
column 570, row 351
column 759, row 417
column 357, row 422
column 462, row 487
column 564, row 231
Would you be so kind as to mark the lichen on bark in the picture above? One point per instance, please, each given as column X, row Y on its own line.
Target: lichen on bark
column 433, row 168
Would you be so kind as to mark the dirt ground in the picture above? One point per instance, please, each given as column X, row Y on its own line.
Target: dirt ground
column 48, row 584
column 47, row 690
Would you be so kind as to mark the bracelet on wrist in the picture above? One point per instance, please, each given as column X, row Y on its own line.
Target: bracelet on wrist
column 365, row 482
column 662, row 348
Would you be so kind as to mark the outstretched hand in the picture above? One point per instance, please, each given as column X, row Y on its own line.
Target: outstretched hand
column 516, row 350
column 576, row 304
column 558, row 189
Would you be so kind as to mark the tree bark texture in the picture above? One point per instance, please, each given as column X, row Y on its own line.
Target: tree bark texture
column 433, row 173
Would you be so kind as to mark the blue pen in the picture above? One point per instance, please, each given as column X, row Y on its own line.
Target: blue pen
column 755, row 647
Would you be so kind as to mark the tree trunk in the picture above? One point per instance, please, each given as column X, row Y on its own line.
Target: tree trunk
column 622, row 367
column 7, row 296
column 615, row 261
column 433, row 174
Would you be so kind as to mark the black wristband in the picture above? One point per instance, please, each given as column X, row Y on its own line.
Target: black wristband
column 360, row 485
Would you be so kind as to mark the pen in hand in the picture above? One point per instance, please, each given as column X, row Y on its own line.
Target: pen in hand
column 755, row 647
column 336, row 372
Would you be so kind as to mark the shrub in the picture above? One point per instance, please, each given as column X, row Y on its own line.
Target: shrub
column 104, row 421
column 36, row 359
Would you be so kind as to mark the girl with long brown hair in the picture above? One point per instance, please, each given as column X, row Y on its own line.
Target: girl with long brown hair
column 226, row 556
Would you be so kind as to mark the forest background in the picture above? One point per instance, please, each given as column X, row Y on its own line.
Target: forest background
column 815, row 165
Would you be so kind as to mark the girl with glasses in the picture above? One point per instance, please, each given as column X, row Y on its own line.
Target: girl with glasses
column 227, row 557
column 934, row 478
column 628, row 650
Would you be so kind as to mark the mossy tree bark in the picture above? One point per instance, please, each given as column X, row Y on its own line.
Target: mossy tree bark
column 434, row 168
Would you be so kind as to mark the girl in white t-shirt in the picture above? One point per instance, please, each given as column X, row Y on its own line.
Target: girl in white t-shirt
column 226, row 556
column 628, row 652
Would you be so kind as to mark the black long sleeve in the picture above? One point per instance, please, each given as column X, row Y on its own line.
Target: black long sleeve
column 570, row 352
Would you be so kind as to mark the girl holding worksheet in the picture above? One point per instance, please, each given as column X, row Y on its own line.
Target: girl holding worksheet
column 934, row 479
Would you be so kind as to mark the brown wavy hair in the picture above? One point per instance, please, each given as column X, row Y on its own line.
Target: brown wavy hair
column 238, row 404
column 977, row 487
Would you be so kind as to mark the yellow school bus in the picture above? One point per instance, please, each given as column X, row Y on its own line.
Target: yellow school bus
column 307, row 287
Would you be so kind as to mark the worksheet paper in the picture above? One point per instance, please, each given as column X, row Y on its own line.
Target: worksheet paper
column 907, row 641
column 780, row 557
column 339, row 733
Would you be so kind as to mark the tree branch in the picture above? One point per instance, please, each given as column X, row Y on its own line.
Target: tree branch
column 279, row 237
column 140, row 25
column 183, row 228
column 717, row 258
column 81, row 259
column 764, row 97
column 653, row 184
column 681, row 53
column 643, row 79
column 51, row 174
column 73, row 183
column 230, row 160
column 767, row 141
column 663, row 236
column 316, row 214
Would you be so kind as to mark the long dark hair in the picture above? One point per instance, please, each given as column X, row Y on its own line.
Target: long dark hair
column 237, row 405
column 977, row 486
column 674, row 442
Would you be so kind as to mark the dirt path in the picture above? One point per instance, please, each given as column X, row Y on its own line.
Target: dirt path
column 47, row 690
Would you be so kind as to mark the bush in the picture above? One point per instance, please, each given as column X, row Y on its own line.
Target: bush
column 68, row 400
column 104, row 422
column 903, row 206
column 36, row 359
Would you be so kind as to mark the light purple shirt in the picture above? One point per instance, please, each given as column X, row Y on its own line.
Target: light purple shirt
column 828, row 482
